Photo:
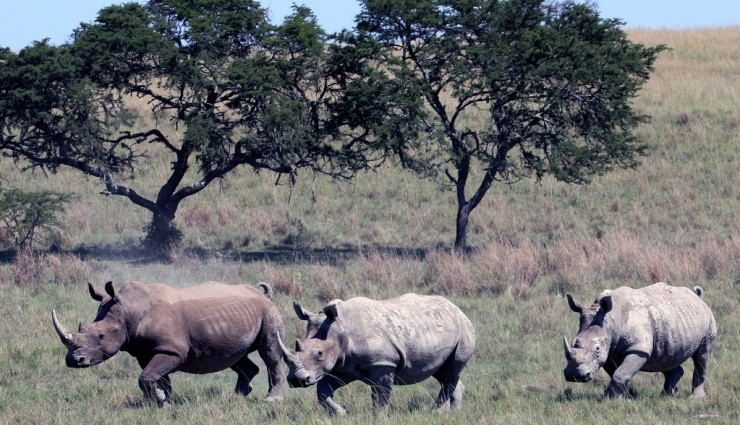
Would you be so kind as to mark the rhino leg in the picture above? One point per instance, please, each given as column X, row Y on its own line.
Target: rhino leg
column 451, row 391
column 246, row 370
column 273, row 358
column 701, row 360
column 154, row 380
column 670, row 387
column 381, row 386
column 619, row 385
column 325, row 391
column 270, row 353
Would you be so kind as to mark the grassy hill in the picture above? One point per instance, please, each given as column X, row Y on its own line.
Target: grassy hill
column 673, row 219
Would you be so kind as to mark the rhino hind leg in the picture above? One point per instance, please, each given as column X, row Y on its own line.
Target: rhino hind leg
column 270, row 353
column 452, row 389
column 246, row 370
column 456, row 397
column 670, row 387
column 701, row 360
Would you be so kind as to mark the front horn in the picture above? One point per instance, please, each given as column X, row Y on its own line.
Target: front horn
column 64, row 335
column 568, row 350
column 287, row 354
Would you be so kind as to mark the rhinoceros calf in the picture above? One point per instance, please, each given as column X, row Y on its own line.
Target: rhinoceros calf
column 201, row 329
column 653, row 329
column 400, row 341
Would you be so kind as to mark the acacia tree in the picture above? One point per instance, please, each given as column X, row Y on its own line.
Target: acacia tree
column 513, row 89
column 237, row 90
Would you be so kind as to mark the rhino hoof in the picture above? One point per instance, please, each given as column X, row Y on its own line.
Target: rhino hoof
column 273, row 399
column 338, row 411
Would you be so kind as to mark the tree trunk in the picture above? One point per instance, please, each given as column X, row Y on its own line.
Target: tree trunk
column 161, row 232
column 461, row 231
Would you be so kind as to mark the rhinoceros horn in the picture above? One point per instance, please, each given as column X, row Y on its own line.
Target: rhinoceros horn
column 64, row 335
column 287, row 354
column 568, row 350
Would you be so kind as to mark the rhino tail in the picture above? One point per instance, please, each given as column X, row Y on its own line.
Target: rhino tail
column 266, row 288
column 698, row 291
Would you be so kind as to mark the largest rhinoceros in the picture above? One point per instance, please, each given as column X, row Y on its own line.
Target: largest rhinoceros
column 200, row 329
column 653, row 329
column 401, row 340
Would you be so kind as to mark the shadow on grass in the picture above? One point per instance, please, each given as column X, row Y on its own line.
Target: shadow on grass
column 568, row 395
column 277, row 254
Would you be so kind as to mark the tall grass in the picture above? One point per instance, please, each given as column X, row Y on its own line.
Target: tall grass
column 673, row 219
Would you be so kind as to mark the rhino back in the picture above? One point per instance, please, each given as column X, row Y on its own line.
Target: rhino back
column 668, row 323
column 416, row 333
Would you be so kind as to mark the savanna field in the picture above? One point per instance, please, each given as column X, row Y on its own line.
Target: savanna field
column 673, row 219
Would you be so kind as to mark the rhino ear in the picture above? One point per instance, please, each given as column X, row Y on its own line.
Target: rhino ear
column 574, row 305
column 606, row 303
column 302, row 313
column 97, row 296
column 331, row 309
column 109, row 289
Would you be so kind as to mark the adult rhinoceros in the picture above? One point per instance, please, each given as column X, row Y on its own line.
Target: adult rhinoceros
column 201, row 329
column 653, row 329
column 400, row 341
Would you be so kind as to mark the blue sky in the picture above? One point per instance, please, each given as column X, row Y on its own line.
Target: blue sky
column 24, row 21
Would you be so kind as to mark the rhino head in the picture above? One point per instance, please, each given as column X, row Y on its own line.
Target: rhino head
column 323, row 348
column 100, row 340
column 590, row 349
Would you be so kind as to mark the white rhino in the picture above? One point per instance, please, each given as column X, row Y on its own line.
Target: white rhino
column 653, row 329
column 402, row 340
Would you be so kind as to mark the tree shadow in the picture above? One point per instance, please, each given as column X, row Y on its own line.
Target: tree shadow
column 280, row 254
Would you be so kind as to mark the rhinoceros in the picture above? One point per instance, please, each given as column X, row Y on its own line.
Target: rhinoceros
column 653, row 329
column 200, row 329
column 398, row 341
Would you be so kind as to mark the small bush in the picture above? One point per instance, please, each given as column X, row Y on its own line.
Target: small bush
column 27, row 216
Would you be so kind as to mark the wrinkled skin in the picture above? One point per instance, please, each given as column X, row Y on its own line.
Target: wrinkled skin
column 652, row 329
column 399, row 341
column 201, row 329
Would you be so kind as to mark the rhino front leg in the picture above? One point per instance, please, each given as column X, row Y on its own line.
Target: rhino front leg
column 325, row 391
column 670, row 387
column 619, row 385
column 154, row 380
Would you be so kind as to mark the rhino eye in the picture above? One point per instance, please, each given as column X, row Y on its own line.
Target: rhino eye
column 319, row 354
column 101, row 336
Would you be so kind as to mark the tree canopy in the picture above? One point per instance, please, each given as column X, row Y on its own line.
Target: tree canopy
column 512, row 89
column 237, row 89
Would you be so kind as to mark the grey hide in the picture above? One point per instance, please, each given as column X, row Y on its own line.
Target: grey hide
column 398, row 341
column 651, row 329
column 200, row 329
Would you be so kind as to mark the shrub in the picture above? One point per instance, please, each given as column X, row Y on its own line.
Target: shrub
column 25, row 216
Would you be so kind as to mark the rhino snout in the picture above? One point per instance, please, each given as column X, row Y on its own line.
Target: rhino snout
column 77, row 360
column 574, row 375
column 301, row 380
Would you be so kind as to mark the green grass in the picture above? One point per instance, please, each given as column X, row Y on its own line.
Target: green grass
column 675, row 219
